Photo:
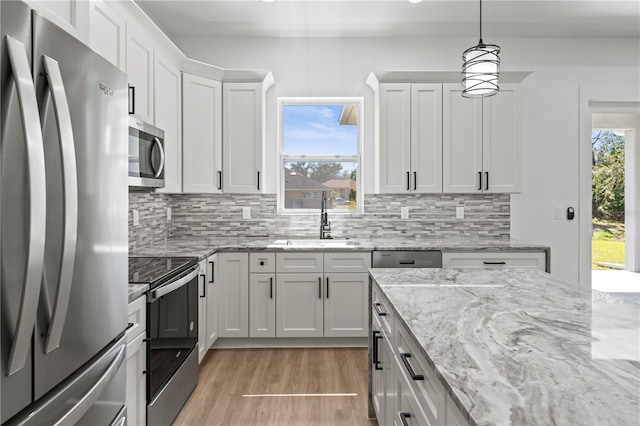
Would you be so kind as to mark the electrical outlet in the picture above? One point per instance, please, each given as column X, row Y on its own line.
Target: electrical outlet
column 136, row 217
column 168, row 214
column 246, row 212
column 557, row 213
column 404, row 212
column 460, row 212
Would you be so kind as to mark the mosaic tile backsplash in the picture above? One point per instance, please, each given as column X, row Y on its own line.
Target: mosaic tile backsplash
column 220, row 216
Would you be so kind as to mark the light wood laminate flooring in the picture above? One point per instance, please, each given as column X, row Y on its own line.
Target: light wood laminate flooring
column 280, row 387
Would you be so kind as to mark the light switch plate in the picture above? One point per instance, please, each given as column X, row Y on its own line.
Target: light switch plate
column 136, row 217
column 460, row 212
column 246, row 212
column 168, row 214
column 404, row 212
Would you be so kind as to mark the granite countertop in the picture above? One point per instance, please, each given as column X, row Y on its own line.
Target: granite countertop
column 137, row 290
column 517, row 346
column 202, row 247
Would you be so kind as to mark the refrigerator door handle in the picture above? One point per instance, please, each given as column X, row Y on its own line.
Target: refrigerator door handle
column 86, row 402
column 70, row 184
column 161, row 148
column 37, row 204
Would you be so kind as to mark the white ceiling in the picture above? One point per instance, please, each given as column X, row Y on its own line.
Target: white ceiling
column 396, row 18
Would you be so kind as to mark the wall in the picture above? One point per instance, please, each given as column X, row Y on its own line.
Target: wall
column 339, row 67
column 154, row 226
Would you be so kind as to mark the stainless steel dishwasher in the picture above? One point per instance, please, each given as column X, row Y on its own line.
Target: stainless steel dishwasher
column 407, row 259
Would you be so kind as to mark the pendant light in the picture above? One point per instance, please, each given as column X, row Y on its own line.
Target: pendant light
column 480, row 68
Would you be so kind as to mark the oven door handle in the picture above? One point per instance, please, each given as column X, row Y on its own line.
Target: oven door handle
column 168, row 288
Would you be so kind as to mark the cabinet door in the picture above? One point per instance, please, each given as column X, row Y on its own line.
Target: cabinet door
column 202, row 135
column 501, row 141
column 242, row 138
column 299, row 305
column 262, row 305
column 140, row 72
column 394, row 151
column 345, row 305
column 136, row 381
column 461, row 141
column 202, row 311
column 212, row 300
column 233, row 295
column 168, row 117
column 426, row 138
column 107, row 33
column 70, row 15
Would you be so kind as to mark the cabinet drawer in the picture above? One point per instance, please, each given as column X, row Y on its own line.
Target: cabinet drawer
column 347, row 262
column 299, row 262
column 137, row 317
column 381, row 310
column 494, row 260
column 264, row 263
column 429, row 391
column 407, row 408
column 454, row 415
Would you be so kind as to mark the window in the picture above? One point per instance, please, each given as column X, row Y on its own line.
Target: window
column 320, row 143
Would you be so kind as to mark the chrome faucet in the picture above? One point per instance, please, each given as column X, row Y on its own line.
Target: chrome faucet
column 325, row 226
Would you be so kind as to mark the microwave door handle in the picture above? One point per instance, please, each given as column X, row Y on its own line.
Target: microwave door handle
column 37, row 204
column 70, row 184
column 161, row 148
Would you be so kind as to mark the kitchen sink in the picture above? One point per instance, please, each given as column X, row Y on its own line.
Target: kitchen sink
column 314, row 243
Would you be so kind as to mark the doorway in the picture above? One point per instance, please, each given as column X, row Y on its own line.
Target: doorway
column 615, row 166
column 614, row 109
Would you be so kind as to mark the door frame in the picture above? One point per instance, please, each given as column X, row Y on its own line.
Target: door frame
column 595, row 99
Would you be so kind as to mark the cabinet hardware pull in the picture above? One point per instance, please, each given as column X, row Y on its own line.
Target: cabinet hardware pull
column 132, row 99
column 415, row 180
column 405, row 361
column 486, row 183
column 408, row 181
column 258, row 180
column 270, row 287
column 494, row 263
column 220, row 180
column 404, row 417
column 213, row 278
column 327, row 287
column 377, row 335
column 407, row 262
column 376, row 306
column 479, row 181
column 319, row 287
column 204, row 286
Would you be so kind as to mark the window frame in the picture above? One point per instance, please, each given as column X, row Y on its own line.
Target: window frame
column 282, row 158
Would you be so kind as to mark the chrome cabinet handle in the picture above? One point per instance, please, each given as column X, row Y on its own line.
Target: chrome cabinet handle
column 37, row 204
column 160, row 147
column 70, row 194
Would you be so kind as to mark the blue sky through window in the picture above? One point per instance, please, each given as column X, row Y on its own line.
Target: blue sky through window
column 314, row 130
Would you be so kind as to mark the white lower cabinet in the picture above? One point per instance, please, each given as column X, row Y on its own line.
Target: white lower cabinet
column 299, row 299
column 262, row 305
column 345, row 305
column 233, row 294
column 136, row 363
column 202, row 311
column 212, row 300
column 207, row 306
column 535, row 260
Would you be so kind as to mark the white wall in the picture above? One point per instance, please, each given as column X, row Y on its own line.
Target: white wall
column 339, row 67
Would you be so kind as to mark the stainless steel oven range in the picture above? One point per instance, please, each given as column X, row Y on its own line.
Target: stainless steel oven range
column 172, row 332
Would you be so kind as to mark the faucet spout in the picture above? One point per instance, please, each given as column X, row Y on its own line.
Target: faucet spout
column 325, row 226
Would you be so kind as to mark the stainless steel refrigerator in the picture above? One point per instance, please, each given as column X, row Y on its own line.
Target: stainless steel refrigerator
column 63, row 214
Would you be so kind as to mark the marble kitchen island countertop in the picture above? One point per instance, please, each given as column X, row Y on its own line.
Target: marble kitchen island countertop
column 520, row 347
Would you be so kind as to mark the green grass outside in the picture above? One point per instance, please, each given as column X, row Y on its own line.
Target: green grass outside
column 607, row 244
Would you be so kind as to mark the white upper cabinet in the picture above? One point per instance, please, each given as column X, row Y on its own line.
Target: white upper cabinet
column 107, row 33
column 168, row 117
column 70, row 15
column 481, row 141
column 140, row 72
column 202, row 134
column 410, row 146
column 243, row 137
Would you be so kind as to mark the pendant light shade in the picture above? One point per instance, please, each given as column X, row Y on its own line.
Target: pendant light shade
column 480, row 68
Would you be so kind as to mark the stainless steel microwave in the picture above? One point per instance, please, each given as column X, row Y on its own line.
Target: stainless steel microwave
column 146, row 155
